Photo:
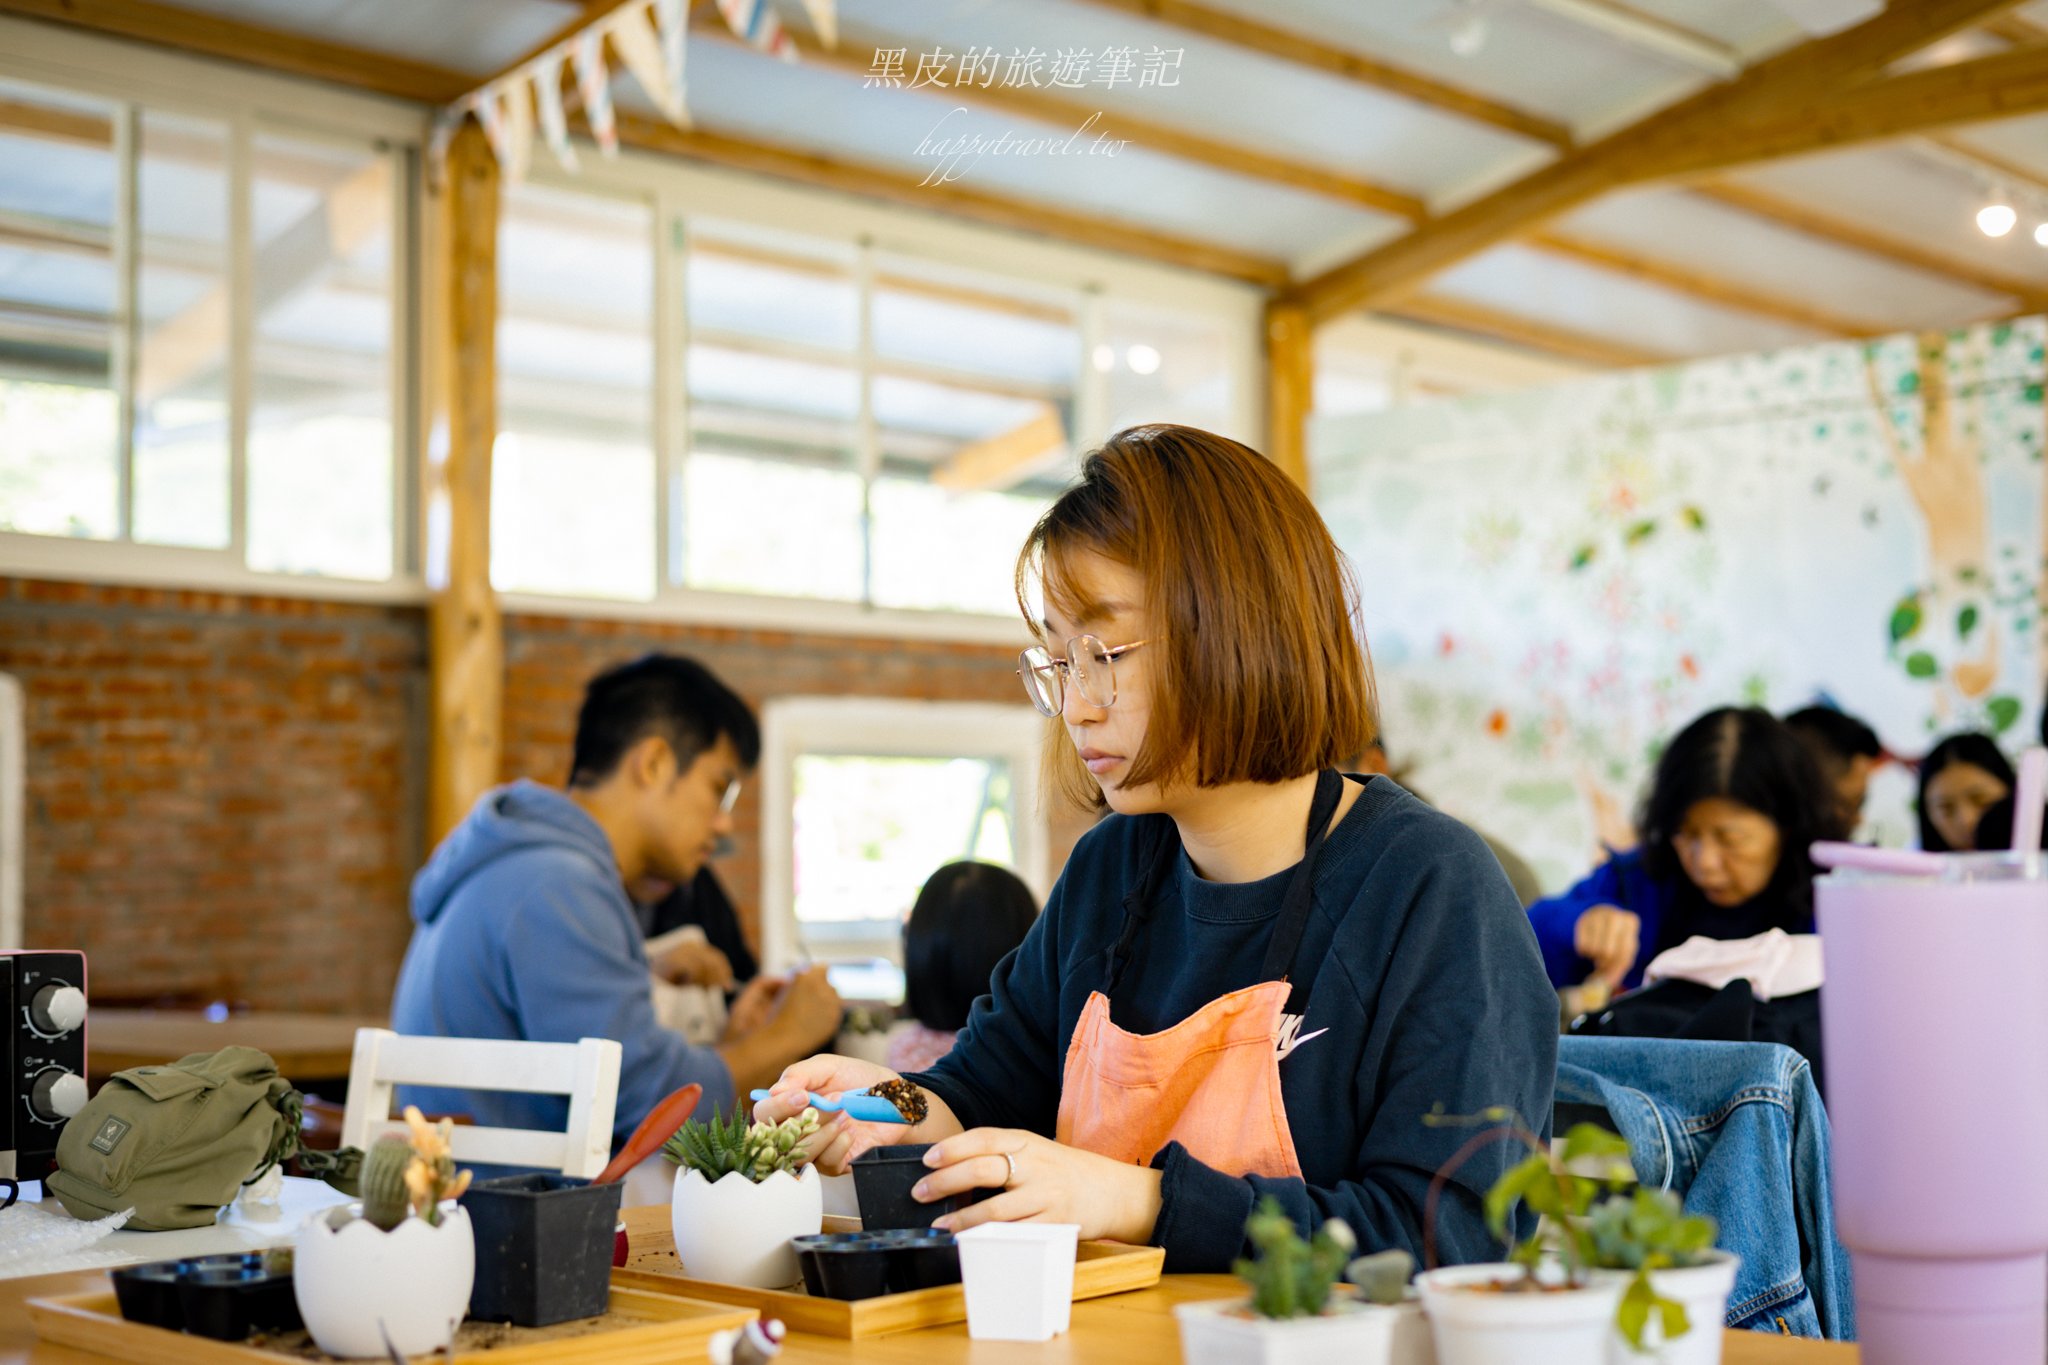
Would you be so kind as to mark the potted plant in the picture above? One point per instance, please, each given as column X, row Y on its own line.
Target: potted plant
column 393, row 1272
column 543, row 1247
column 1297, row 1314
column 1607, row 1275
column 742, row 1191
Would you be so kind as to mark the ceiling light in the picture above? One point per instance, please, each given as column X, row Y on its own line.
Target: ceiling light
column 1470, row 36
column 1104, row 358
column 1142, row 359
column 2041, row 234
column 1996, row 218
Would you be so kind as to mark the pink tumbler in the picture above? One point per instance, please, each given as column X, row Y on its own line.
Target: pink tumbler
column 1935, row 1031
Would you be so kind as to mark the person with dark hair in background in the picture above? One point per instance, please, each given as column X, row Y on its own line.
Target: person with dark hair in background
column 523, row 929
column 1961, row 778
column 1846, row 751
column 1734, row 806
column 967, row 918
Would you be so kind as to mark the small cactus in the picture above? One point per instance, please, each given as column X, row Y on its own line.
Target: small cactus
column 1290, row 1278
column 385, row 1201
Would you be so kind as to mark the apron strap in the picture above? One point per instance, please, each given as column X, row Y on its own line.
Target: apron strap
column 1294, row 911
column 1163, row 851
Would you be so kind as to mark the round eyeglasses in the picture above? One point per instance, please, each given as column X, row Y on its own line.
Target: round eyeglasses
column 1089, row 662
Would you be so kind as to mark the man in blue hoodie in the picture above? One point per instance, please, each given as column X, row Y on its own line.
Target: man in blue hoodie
column 522, row 925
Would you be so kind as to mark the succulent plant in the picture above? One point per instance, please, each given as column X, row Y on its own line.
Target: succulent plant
column 1383, row 1276
column 1292, row 1278
column 720, row 1147
column 385, row 1202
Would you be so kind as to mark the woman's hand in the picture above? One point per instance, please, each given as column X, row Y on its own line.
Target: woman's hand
column 840, row 1139
column 1041, row 1182
column 1608, row 937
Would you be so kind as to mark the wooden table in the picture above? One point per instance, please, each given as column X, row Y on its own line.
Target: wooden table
column 307, row 1047
column 1126, row 1329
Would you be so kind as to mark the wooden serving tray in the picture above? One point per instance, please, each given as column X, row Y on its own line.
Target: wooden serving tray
column 1100, row 1268
column 639, row 1328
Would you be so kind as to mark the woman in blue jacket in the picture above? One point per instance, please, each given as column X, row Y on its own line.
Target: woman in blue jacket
column 1734, row 806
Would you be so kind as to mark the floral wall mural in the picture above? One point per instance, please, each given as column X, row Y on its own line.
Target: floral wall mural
column 1555, row 581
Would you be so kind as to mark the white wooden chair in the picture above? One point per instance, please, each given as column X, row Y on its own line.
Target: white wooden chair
column 587, row 1072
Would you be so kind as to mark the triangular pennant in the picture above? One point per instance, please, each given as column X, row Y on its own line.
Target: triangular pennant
column 634, row 38
column 491, row 114
column 672, row 18
column 825, row 19
column 446, row 123
column 594, row 81
column 518, row 153
column 755, row 22
column 554, row 124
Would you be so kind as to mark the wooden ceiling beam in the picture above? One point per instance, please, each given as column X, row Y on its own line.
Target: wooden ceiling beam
column 1439, row 310
column 1709, row 288
column 854, row 58
column 957, row 200
column 1893, row 250
column 2005, row 85
column 1322, row 55
column 1635, row 153
column 2017, row 30
column 212, row 35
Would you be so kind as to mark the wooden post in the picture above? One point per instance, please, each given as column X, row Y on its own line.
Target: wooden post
column 465, row 628
column 1290, row 388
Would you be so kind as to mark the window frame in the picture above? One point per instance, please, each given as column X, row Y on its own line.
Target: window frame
column 249, row 103
column 887, row 727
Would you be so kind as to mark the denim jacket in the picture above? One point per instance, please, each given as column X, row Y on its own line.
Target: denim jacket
column 1736, row 1130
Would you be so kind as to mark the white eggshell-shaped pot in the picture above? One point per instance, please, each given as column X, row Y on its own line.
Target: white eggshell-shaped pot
column 357, row 1283
column 737, row 1232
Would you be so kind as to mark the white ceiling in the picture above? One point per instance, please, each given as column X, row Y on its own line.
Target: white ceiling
column 1534, row 58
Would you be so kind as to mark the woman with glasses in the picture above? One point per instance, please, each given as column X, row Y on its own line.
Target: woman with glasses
column 1735, row 803
column 1257, row 977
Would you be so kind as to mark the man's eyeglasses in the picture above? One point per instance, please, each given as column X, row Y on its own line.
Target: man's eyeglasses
column 1089, row 662
column 731, row 797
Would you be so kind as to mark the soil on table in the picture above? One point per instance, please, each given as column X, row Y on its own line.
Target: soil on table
column 470, row 1337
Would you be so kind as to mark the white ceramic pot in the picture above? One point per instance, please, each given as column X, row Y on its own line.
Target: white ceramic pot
column 1473, row 1326
column 412, row 1281
column 1218, row 1333
column 1703, row 1289
column 737, row 1232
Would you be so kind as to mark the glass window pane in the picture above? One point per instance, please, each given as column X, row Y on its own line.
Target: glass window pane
column 770, row 495
column 321, row 430
column 59, row 418
column 183, row 308
column 867, row 830
column 1165, row 366
column 573, row 472
column 973, row 395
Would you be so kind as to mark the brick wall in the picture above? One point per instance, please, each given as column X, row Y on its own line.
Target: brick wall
column 225, row 793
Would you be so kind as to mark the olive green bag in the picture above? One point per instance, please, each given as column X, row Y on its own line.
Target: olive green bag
column 176, row 1142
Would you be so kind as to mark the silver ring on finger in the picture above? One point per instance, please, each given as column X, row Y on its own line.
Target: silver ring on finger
column 1010, row 1180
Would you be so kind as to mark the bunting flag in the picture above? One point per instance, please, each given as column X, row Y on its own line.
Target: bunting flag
column 649, row 37
column 554, row 124
column 518, row 153
column 641, row 51
column 672, row 22
column 754, row 21
column 595, row 83
column 825, row 19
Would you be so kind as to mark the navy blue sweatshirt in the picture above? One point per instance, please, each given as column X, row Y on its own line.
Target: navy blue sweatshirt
column 1421, row 966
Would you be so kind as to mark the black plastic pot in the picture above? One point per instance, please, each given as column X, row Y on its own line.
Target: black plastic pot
column 543, row 1248
column 882, row 1180
column 225, row 1297
column 842, row 1265
column 149, row 1294
column 922, row 1262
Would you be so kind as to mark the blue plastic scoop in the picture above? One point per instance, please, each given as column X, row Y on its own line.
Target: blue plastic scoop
column 858, row 1104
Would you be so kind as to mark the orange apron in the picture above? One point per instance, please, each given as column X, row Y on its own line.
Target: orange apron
column 1212, row 1081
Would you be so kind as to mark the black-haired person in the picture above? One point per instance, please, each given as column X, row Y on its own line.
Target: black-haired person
column 522, row 925
column 1961, row 778
column 967, row 918
column 1734, row 806
column 1847, row 752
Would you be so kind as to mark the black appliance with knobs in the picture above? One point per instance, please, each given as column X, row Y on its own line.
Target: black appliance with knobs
column 43, row 994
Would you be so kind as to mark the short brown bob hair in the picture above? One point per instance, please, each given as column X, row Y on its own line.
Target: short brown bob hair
column 1258, row 662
